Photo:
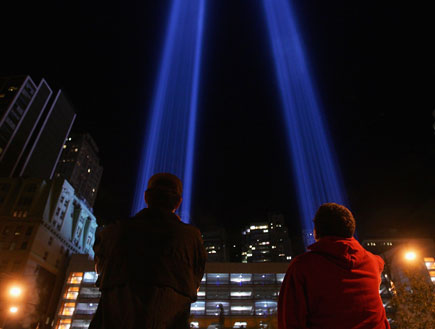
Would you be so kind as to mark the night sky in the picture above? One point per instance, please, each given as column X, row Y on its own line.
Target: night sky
column 373, row 67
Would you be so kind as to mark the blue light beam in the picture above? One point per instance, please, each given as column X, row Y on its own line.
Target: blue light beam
column 314, row 168
column 170, row 138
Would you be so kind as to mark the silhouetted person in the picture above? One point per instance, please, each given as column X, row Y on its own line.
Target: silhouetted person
column 335, row 285
column 150, row 266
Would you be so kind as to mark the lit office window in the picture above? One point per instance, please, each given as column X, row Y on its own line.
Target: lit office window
column 64, row 324
column 265, row 307
column 80, row 323
column 75, row 278
column 68, row 309
column 201, row 293
column 194, row 324
column 266, row 278
column 197, row 308
column 204, row 278
column 241, row 293
column 218, row 278
column 90, row 277
column 90, row 292
column 280, row 277
column 240, row 278
column 430, row 263
column 86, row 308
column 213, row 308
column 242, row 308
column 72, row 293
column 240, row 324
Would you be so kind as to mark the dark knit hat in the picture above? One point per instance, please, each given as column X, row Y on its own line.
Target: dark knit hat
column 166, row 182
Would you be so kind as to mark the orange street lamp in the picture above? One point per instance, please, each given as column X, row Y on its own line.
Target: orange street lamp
column 13, row 309
column 410, row 255
column 15, row 291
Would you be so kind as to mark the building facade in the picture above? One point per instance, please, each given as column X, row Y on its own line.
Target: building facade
column 266, row 241
column 80, row 165
column 216, row 245
column 42, row 222
column 237, row 294
column 34, row 124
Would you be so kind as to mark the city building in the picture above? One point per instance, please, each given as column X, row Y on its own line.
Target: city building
column 42, row 222
column 266, row 241
column 34, row 124
column 398, row 254
column 215, row 244
column 240, row 295
column 79, row 164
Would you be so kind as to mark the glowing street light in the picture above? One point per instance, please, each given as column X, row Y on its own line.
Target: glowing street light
column 13, row 309
column 15, row 291
column 410, row 256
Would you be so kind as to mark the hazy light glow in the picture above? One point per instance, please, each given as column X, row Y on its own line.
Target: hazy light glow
column 170, row 139
column 13, row 309
column 410, row 255
column 314, row 168
column 15, row 291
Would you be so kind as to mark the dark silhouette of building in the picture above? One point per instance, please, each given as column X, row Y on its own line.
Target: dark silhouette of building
column 216, row 244
column 34, row 124
column 79, row 164
column 267, row 241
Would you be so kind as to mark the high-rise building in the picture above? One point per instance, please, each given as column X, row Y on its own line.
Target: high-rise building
column 215, row 244
column 267, row 241
column 240, row 295
column 42, row 222
column 34, row 124
column 79, row 164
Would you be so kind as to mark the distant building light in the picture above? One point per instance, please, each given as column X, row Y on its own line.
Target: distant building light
column 64, row 146
column 69, row 138
column 12, row 88
column 273, row 247
column 89, row 170
column 93, row 190
column 289, row 257
column 265, row 231
column 76, row 149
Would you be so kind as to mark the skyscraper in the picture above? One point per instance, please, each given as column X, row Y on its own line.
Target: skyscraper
column 267, row 241
column 79, row 164
column 34, row 123
column 42, row 222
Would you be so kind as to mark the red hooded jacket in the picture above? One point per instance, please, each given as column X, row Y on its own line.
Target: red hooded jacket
column 333, row 286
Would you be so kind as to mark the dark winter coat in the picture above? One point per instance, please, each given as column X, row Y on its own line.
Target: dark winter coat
column 333, row 286
column 144, row 260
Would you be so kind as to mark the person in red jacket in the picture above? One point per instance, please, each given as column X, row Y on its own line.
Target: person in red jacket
column 335, row 285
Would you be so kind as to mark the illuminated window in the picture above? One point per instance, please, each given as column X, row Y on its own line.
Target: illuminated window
column 194, row 324
column 76, row 149
column 68, row 309
column 242, row 308
column 197, row 307
column 12, row 88
column 86, row 308
column 72, row 293
column 240, row 278
column 75, row 278
column 90, row 277
column 64, row 146
column 64, row 324
column 280, row 277
column 430, row 263
column 240, row 324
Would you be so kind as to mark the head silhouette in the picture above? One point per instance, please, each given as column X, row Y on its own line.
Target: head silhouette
column 164, row 191
column 332, row 219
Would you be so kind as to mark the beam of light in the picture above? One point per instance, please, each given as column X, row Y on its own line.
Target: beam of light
column 170, row 140
column 315, row 171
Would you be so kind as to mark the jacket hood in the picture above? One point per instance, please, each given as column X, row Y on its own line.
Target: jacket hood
column 345, row 252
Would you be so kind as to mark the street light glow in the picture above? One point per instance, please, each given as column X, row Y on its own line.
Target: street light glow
column 13, row 309
column 410, row 255
column 15, row 291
